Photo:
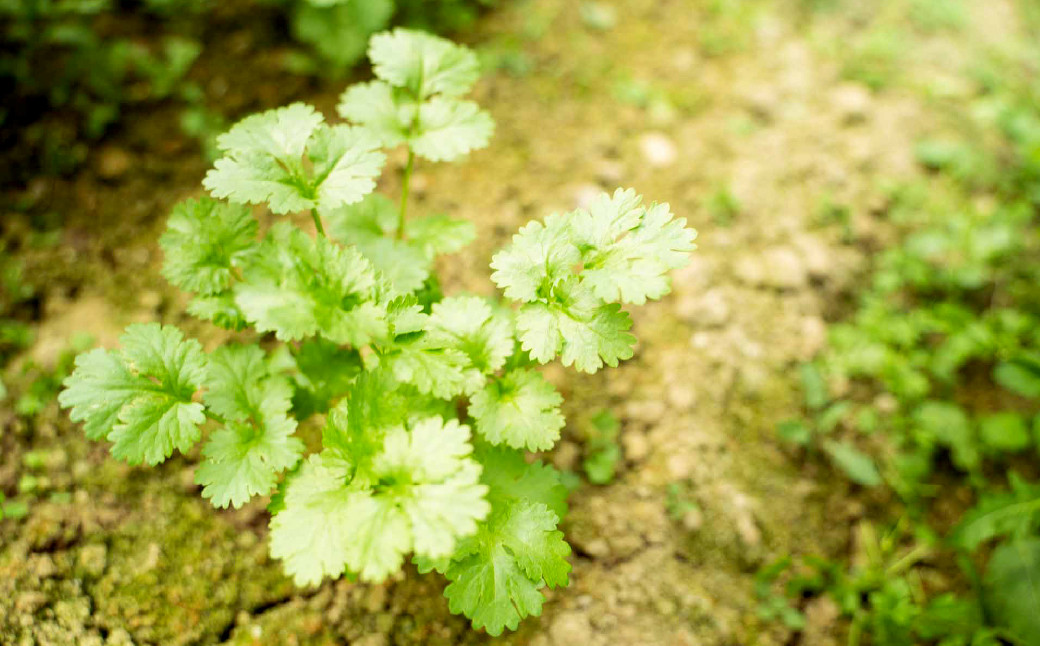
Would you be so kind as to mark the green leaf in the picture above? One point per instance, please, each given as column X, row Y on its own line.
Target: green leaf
column 948, row 424
column 795, row 431
column 323, row 524
column 511, row 478
column 263, row 162
column 422, row 494
column 219, row 308
column 470, row 324
column 423, row 64
column 1012, row 589
column 204, row 241
column 521, row 410
column 857, row 466
column 140, row 397
column 381, row 110
column 298, row 287
column 1004, row 432
column 370, row 225
column 1012, row 513
column 539, row 258
column 439, row 234
column 432, row 368
column 496, row 575
column 244, row 458
column 339, row 31
column 1019, row 377
column 448, row 129
column 570, row 271
column 585, row 337
column 356, row 426
column 323, row 371
column 814, row 386
column 628, row 249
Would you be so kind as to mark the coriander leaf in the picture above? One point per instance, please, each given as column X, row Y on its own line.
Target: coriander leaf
column 339, row 30
column 496, row 574
column 140, row 397
column 584, row 336
column 439, row 234
column 370, row 225
column 432, row 368
column 323, row 371
column 355, row 427
column 345, row 165
column 298, row 287
column 262, row 159
column 627, row 250
column 510, row 478
column 540, row 256
column 320, row 522
column 376, row 107
column 240, row 387
column 242, row 461
column 521, row 410
column 448, row 129
column 422, row 493
column 204, row 241
column 423, row 64
column 470, row 324
column 244, row 458
column 263, row 162
column 219, row 308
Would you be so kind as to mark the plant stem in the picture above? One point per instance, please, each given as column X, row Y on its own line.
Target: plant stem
column 317, row 222
column 404, row 193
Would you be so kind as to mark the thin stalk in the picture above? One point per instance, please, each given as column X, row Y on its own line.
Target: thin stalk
column 317, row 222
column 404, row 193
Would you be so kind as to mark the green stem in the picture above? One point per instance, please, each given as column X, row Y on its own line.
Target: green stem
column 404, row 193
column 317, row 222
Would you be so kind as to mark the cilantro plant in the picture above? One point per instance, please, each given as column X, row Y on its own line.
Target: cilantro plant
column 429, row 401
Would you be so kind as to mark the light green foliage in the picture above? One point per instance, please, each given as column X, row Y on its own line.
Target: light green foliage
column 358, row 328
column 263, row 162
column 415, row 101
column 405, row 260
column 602, row 452
column 338, row 30
column 521, row 410
column 419, row 492
column 246, row 456
column 1013, row 589
column 298, row 286
column 205, row 241
column 140, row 398
column 624, row 251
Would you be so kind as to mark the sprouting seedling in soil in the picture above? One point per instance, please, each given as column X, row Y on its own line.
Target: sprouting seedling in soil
column 430, row 400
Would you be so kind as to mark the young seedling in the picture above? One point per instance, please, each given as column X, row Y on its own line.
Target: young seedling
column 430, row 400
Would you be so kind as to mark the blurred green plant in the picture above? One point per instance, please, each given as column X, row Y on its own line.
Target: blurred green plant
column 602, row 452
column 934, row 383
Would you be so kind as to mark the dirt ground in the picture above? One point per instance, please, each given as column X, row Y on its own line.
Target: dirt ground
column 770, row 128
